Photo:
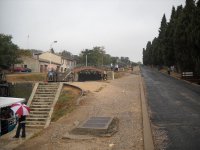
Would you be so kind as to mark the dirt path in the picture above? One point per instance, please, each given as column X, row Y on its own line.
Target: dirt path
column 119, row 98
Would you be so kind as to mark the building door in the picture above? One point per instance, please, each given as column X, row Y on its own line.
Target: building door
column 41, row 68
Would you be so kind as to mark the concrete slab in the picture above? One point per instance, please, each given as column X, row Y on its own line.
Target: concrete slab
column 96, row 123
column 98, row 126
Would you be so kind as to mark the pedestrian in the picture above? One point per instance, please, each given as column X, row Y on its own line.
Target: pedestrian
column 168, row 70
column 21, row 125
column 50, row 75
column 111, row 66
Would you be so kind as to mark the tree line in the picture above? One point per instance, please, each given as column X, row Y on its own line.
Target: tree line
column 97, row 56
column 10, row 54
column 178, row 41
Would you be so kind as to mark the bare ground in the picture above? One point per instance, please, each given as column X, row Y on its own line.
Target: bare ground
column 118, row 98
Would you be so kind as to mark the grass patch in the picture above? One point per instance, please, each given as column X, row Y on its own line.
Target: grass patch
column 119, row 74
column 99, row 89
column 66, row 103
column 26, row 77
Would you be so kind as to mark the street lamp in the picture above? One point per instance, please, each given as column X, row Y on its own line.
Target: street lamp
column 51, row 52
column 52, row 44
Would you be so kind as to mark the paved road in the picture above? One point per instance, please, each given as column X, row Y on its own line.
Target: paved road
column 174, row 107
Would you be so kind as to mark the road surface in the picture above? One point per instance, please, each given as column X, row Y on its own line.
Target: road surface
column 174, row 107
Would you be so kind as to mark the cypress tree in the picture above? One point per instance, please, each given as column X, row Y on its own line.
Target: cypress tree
column 178, row 42
column 149, row 53
column 195, row 38
column 144, row 56
column 182, row 36
column 169, row 58
column 161, row 39
column 155, row 52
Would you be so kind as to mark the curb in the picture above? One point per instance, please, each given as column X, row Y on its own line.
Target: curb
column 74, row 86
column 147, row 132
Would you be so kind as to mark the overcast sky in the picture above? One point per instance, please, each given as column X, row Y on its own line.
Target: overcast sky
column 123, row 27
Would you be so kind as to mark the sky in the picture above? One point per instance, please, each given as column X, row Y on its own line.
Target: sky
column 123, row 27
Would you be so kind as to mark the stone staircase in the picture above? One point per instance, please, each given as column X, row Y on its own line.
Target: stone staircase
column 41, row 104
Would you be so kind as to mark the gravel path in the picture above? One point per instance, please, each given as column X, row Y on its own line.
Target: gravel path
column 118, row 98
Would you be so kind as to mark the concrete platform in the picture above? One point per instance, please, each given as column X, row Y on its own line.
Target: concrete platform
column 99, row 126
column 96, row 123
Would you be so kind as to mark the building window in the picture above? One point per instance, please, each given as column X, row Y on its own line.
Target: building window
column 45, row 70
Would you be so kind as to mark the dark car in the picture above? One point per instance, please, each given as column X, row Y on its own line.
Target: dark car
column 21, row 69
column 27, row 70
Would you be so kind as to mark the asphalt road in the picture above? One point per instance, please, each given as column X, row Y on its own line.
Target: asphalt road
column 174, row 108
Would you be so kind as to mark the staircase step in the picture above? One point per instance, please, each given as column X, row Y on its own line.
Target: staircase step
column 40, row 106
column 45, row 92
column 39, row 112
column 37, row 115
column 35, row 123
column 47, row 86
column 36, row 119
column 41, row 103
column 49, row 83
column 34, row 126
column 45, row 95
column 38, row 109
column 43, row 98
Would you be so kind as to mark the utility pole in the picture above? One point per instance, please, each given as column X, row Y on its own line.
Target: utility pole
column 51, row 54
column 86, row 60
column 28, row 41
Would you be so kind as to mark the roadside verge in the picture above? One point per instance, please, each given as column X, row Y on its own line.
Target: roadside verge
column 147, row 132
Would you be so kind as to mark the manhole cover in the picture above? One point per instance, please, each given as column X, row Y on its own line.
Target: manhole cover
column 100, row 126
column 97, row 123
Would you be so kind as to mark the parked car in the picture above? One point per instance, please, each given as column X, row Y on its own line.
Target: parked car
column 27, row 70
column 21, row 69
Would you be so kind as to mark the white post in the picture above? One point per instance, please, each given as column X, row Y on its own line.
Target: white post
column 113, row 75
column 50, row 53
column 86, row 60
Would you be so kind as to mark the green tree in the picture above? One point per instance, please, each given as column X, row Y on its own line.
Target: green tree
column 124, row 62
column 161, row 40
column 9, row 52
column 195, row 38
column 25, row 52
column 95, row 56
column 182, row 37
column 168, row 55
column 178, row 40
column 66, row 54
column 156, row 53
column 147, row 60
